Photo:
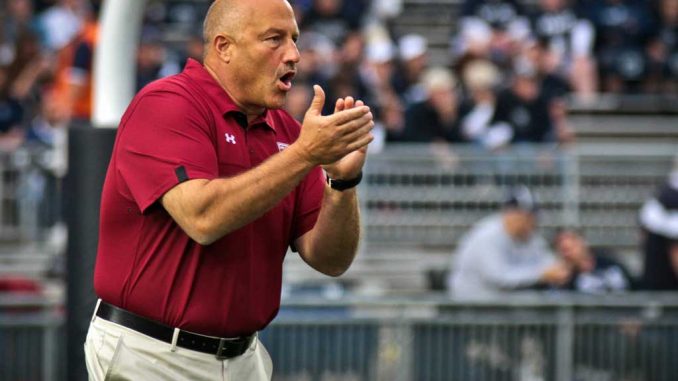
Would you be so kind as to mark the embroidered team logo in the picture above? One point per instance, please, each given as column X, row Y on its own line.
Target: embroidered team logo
column 282, row 146
column 230, row 138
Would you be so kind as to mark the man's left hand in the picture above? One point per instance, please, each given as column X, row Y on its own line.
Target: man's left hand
column 349, row 166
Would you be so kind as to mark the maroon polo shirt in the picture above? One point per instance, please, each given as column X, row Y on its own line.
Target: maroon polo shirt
column 186, row 127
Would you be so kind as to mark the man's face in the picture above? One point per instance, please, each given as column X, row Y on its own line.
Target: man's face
column 570, row 246
column 523, row 223
column 265, row 55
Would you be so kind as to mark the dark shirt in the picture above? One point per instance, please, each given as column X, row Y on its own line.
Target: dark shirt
column 423, row 125
column 530, row 120
column 658, row 273
column 626, row 24
column 11, row 114
column 555, row 28
column 608, row 275
column 497, row 13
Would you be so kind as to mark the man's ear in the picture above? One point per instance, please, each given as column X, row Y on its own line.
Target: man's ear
column 223, row 46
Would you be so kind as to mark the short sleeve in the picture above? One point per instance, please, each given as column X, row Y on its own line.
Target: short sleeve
column 308, row 202
column 165, row 140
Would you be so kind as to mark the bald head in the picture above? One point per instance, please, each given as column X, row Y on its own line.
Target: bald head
column 223, row 16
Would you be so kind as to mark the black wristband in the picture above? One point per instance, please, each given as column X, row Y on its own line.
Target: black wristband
column 342, row 185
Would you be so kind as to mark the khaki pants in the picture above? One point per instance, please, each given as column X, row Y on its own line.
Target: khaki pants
column 114, row 352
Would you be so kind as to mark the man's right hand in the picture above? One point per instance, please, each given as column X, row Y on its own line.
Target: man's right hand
column 326, row 139
column 557, row 274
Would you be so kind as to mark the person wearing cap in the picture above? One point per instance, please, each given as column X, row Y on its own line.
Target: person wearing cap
column 503, row 253
column 413, row 55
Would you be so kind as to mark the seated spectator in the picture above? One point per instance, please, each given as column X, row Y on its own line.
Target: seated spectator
column 152, row 62
column 376, row 72
column 480, row 79
column 569, row 41
column 659, row 223
column 504, row 253
column 413, row 54
column 316, row 65
column 522, row 114
column 491, row 29
column 663, row 50
column 623, row 29
column 555, row 88
column 593, row 270
column 333, row 18
column 436, row 118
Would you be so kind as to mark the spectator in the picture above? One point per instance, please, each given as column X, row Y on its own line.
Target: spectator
column 569, row 41
column 298, row 100
column 503, row 253
column 413, row 50
column 152, row 62
column 663, row 50
column 194, row 48
column 73, row 77
column 436, row 118
column 346, row 78
column 491, row 29
column 333, row 18
column 480, row 79
column 554, row 89
column 377, row 71
column 659, row 222
column 593, row 270
column 17, row 20
column 316, row 65
column 62, row 22
column 522, row 114
column 48, row 128
column 623, row 28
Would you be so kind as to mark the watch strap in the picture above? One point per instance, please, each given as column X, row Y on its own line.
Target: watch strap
column 342, row 185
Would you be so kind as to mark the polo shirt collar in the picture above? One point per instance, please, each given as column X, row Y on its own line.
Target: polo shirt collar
column 223, row 100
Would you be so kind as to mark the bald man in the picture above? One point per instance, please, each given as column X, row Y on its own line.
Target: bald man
column 209, row 184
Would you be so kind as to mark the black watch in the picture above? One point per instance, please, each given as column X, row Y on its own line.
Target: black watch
column 342, row 185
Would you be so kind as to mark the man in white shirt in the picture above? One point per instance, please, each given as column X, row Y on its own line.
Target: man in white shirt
column 502, row 253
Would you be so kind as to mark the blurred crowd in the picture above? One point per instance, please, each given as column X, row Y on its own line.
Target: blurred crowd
column 508, row 70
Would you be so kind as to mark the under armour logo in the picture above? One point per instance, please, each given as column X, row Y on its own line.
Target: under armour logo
column 282, row 146
column 230, row 138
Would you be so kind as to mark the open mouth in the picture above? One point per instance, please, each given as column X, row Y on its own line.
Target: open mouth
column 286, row 80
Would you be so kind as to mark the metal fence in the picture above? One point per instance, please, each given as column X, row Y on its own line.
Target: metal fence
column 429, row 195
column 530, row 337
column 32, row 339
column 549, row 337
column 426, row 195
column 30, row 194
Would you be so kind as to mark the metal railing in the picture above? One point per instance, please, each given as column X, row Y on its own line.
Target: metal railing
column 428, row 195
column 524, row 337
column 30, row 194
column 549, row 337
column 32, row 340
